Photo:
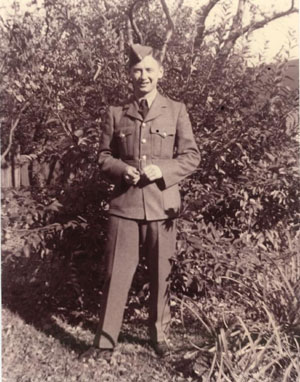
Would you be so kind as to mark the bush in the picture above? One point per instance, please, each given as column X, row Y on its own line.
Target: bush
column 236, row 270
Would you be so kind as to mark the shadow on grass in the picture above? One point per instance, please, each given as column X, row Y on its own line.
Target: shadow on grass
column 41, row 293
column 42, row 290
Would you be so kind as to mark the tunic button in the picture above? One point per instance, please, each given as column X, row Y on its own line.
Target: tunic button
column 122, row 135
column 164, row 134
column 144, row 140
column 144, row 157
column 143, row 124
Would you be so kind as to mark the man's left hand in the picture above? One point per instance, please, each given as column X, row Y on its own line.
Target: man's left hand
column 152, row 172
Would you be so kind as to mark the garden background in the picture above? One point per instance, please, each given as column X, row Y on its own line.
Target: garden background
column 235, row 285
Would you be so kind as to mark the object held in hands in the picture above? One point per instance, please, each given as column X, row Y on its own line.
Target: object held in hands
column 152, row 172
column 131, row 175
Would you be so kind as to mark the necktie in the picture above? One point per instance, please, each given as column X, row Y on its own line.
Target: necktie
column 143, row 108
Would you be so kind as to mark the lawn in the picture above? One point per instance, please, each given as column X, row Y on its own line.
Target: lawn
column 50, row 315
column 45, row 328
column 36, row 355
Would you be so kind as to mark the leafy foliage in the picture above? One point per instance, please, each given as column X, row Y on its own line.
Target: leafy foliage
column 236, row 270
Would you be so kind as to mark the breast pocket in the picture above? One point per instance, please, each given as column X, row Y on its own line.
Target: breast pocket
column 124, row 138
column 162, row 141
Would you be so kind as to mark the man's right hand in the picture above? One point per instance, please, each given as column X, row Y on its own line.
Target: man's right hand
column 131, row 175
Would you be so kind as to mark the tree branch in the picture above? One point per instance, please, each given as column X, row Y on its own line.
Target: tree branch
column 203, row 13
column 170, row 29
column 121, row 43
column 129, row 32
column 262, row 23
column 133, row 23
column 238, row 18
column 238, row 32
column 14, row 125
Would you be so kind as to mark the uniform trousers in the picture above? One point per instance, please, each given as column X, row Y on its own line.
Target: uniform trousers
column 126, row 238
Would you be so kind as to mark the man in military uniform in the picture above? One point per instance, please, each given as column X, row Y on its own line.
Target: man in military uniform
column 147, row 148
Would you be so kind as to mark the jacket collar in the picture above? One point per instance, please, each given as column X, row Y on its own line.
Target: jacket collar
column 156, row 109
column 150, row 97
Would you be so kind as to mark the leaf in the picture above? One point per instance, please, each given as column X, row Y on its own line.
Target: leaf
column 97, row 72
column 18, row 84
column 191, row 354
column 27, row 250
column 19, row 97
column 78, row 133
column 54, row 206
column 270, row 156
column 196, row 242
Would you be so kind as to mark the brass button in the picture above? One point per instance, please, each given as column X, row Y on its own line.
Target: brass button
column 144, row 140
column 164, row 134
column 143, row 124
column 122, row 135
column 144, row 157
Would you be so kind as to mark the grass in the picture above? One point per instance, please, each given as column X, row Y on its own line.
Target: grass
column 47, row 324
column 45, row 327
column 33, row 355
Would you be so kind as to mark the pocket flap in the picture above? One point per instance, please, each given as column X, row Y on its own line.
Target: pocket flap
column 124, row 132
column 162, row 131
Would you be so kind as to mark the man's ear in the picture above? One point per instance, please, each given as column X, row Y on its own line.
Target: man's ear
column 129, row 72
column 161, row 72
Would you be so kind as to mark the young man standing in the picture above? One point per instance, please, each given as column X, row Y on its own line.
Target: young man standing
column 147, row 148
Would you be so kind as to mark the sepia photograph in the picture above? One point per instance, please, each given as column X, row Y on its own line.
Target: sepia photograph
column 150, row 191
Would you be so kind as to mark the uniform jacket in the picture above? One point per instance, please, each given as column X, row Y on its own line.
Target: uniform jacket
column 164, row 138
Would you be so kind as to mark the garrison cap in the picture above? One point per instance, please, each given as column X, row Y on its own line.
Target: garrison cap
column 138, row 52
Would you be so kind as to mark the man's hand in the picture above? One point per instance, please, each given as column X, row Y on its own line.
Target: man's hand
column 131, row 175
column 152, row 172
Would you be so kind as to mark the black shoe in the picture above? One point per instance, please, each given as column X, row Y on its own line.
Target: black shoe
column 160, row 348
column 96, row 353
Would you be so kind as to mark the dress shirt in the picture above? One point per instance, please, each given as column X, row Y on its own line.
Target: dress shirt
column 149, row 97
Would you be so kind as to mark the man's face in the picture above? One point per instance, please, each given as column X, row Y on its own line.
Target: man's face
column 145, row 75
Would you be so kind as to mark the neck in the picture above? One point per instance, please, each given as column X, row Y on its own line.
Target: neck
column 139, row 95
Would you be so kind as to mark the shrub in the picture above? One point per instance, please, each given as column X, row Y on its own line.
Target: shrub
column 236, row 269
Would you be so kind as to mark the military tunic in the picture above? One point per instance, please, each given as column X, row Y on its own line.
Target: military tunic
column 165, row 139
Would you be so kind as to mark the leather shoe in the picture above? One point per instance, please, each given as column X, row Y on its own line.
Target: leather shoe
column 96, row 353
column 160, row 348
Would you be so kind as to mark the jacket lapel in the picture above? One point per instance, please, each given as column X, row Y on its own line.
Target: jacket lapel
column 131, row 110
column 157, row 108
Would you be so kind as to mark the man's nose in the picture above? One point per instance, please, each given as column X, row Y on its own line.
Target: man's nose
column 144, row 74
